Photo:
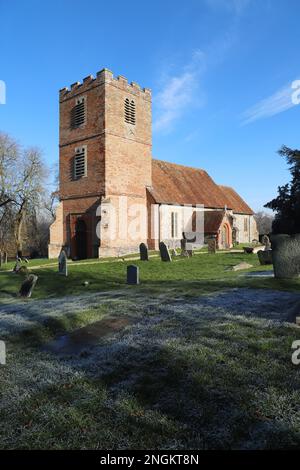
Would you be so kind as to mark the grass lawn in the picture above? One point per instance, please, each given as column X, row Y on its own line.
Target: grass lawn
column 203, row 362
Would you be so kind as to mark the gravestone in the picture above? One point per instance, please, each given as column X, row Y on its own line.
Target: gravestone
column 5, row 257
column 184, row 251
column 212, row 245
column 23, row 270
column 133, row 277
column 265, row 257
column 248, row 249
column 28, row 286
column 144, row 252
column 164, row 252
column 266, row 241
column 286, row 256
column 63, row 263
column 17, row 266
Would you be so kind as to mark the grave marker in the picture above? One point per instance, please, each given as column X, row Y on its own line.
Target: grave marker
column 164, row 252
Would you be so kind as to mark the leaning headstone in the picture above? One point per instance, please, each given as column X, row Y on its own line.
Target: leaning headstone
column 17, row 266
column 28, row 286
column 265, row 257
column 143, row 252
column 164, row 252
column 286, row 256
column 62, row 263
column 133, row 277
column 212, row 245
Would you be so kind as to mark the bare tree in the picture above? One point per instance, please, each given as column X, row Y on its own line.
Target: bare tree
column 9, row 164
column 22, row 190
column 31, row 189
column 52, row 199
column 264, row 222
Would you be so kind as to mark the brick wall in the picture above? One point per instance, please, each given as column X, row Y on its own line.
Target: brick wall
column 118, row 156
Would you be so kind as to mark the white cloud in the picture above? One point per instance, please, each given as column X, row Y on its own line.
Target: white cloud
column 268, row 107
column 178, row 92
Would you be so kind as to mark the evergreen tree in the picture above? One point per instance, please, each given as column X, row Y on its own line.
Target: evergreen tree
column 287, row 203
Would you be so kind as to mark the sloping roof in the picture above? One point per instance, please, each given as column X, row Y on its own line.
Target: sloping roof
column 179, row 184
column 234, row 201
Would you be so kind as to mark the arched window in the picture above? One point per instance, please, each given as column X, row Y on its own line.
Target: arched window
column 129, row 111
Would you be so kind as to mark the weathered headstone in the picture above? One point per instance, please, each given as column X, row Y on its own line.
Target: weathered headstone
column 266, row 242
column 286, row 256
column 248, row 249
column 164, row 252
column 265, row 257
column 133, row 277
column 17, row 266
column 184, row 251
column 63, row 263
column 212, row 245
column 144, row 252
column 28, row 286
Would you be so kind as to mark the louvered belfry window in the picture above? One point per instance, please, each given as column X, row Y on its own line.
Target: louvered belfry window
column 129, row 109
column 80, row 167
column 78, row 113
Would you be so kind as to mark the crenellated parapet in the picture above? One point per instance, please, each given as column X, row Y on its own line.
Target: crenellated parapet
column 103, row 76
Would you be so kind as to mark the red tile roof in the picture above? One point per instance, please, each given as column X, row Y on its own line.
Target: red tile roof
column 178, row 184
column 234, row 201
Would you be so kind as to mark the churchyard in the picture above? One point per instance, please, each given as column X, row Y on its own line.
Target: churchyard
column 196, row 356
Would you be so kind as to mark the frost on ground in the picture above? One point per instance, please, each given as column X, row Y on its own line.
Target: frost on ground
column 18, row 315
column 206, row 372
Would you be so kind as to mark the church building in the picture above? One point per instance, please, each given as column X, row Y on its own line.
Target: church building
column 114, row 195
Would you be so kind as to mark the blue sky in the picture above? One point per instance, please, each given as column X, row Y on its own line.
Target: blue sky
column 220, row 73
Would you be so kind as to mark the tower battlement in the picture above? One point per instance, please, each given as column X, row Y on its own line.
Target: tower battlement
column 103, row 76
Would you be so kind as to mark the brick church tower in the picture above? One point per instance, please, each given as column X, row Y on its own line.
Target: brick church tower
column 104, row 166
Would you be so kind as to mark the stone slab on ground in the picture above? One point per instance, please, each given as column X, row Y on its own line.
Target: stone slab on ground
column 241, row 266
column 88, row 336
